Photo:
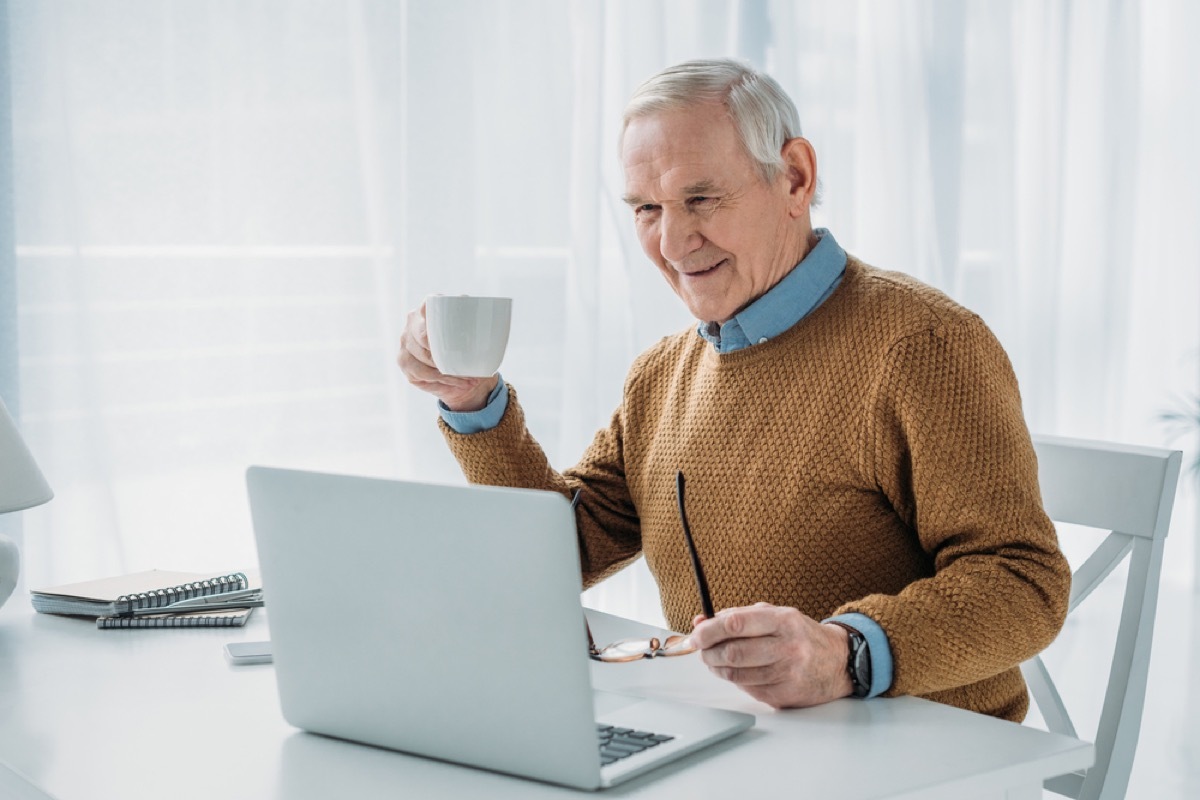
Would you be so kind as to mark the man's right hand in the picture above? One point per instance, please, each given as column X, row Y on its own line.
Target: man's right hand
column 416, row 361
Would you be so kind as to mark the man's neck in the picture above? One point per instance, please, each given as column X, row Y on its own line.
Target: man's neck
column 807, row 241
column 792, row 298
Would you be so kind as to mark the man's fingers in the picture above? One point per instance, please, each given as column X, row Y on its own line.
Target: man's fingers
column 433, row 387
column 736, row 623
column 417, row 348
column 417, row 327
column 419, row 372
column 775, row 653
column 747, row 677
column 414, row 345
column 749, row 653
column 417, row 364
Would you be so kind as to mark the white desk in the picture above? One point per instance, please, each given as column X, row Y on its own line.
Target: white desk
column 87, row 714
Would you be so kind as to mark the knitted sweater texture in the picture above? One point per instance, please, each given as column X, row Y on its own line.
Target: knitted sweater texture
column 873, row 458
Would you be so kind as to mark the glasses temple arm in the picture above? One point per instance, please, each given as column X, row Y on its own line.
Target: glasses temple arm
column 701, row 582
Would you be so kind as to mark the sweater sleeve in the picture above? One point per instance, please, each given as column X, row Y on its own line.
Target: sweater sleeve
column 508, row 455
column 947, row 444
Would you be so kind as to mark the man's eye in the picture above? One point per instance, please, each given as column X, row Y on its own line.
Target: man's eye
column 645, row 208
column 699, row 201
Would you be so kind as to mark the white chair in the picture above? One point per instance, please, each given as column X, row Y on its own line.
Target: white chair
column 1127, row 492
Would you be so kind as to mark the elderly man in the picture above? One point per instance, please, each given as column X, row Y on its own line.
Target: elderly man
column 861, row 486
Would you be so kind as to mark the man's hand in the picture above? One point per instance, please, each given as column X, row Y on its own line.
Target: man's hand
column 416, row 362
column 776, row 654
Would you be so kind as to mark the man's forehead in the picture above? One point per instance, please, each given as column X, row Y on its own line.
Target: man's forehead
column 683, row 151
column 675, row 174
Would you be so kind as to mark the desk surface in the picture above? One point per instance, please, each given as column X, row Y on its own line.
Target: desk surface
column 87, row 714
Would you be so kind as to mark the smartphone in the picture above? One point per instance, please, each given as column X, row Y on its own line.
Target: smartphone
column 239, row 653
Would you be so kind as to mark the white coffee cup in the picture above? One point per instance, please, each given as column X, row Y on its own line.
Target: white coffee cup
column 468, row 335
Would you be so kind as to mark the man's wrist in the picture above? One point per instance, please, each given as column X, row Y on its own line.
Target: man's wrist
column 841, row 635
column 468, row 422
column 477, row 400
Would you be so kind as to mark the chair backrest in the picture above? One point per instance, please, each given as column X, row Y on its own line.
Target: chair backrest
column 1127, row 492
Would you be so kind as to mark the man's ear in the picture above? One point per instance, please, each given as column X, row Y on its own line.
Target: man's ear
column 800, row 172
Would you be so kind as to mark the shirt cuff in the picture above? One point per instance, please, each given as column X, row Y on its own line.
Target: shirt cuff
column 484, row 419
column 880, row 649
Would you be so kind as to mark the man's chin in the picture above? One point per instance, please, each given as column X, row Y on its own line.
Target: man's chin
column 711, row 313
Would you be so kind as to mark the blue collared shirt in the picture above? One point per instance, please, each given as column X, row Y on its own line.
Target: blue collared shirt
column 801, row 291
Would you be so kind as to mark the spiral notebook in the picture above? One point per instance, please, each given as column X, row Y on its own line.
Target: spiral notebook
column 124, row 600
column 195, row 619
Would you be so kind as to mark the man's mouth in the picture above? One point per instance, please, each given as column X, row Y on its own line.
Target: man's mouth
column 701, row 273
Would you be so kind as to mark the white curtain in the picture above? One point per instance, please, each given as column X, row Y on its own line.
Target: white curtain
column 224, row 208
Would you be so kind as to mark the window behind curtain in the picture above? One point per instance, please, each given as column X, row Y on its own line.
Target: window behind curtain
column 223, row 212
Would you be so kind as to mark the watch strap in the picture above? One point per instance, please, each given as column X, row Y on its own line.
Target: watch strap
column 858, row 663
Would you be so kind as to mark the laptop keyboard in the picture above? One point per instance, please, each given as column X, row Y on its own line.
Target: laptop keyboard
column 617, row 743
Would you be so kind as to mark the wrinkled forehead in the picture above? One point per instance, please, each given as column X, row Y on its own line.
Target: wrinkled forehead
column 664, row 153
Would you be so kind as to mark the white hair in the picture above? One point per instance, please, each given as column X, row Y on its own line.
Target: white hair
column 763, row 114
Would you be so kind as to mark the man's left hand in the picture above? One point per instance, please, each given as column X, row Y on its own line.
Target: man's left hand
column 776, row 654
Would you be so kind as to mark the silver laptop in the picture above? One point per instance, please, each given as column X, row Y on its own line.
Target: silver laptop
column 445, row 621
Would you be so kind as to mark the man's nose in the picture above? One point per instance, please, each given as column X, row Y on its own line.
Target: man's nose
column 678, row 234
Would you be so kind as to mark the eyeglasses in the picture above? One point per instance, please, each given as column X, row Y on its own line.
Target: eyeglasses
column 637, row 649
column 653, row 647
column 701, row 582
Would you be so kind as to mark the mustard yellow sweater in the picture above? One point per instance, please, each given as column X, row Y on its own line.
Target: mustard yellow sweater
column 873, row 459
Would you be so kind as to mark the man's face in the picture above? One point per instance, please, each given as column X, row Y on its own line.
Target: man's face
column 719, row 233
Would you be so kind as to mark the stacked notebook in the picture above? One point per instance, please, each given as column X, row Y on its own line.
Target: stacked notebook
column 156, row 599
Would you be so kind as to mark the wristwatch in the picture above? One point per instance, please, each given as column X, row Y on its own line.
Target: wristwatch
column 858, row 665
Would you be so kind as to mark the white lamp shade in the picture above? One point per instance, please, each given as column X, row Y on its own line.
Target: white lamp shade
column 21, row 482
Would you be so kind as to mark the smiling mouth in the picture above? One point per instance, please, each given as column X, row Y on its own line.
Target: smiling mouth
column 703, row 272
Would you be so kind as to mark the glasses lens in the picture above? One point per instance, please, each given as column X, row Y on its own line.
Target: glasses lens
column 676, row 646
column 627, row 650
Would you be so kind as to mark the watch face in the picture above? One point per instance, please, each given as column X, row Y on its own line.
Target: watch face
column 858, row 665
column 862, row 666
column 861, row 661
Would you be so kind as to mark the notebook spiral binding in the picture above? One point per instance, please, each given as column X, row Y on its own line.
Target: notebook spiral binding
column 127, row 604
column 205, row 621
